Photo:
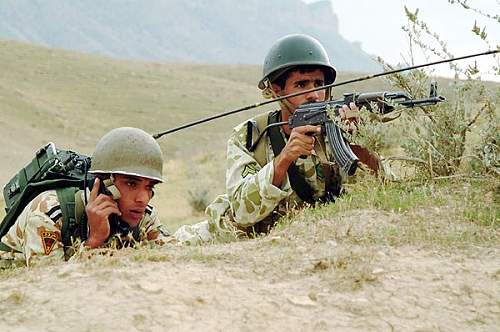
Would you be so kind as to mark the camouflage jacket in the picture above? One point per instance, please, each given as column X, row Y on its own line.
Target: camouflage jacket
column 251, row 197
column 37, row 230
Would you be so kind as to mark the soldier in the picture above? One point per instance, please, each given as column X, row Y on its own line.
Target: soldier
column 127, row 163
column 262, row 185
column 288, row 167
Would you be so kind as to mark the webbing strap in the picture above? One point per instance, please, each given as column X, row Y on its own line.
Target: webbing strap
column 298, row 183
column 4, row 247
column 66, row 198
column 259, row 123
column 29, row 193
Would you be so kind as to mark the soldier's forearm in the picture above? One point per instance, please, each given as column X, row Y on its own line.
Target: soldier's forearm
column 280, row 170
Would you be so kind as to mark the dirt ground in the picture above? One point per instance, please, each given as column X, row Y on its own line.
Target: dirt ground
column 282, row 282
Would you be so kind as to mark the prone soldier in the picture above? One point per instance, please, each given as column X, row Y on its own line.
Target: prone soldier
column 288, row 167
column 127, row 164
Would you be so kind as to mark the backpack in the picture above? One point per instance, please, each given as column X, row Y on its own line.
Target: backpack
column 51, row 169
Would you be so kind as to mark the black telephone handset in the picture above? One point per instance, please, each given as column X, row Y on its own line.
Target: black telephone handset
column 117, row 226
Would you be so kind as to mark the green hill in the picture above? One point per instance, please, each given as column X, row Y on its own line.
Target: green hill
column 72, row 99
column 377, row 259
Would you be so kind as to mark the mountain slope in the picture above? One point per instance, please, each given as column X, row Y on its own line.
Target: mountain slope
column 198, row 31
column 72, row 99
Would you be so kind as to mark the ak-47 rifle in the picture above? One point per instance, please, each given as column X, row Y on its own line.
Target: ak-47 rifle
column 319, row 114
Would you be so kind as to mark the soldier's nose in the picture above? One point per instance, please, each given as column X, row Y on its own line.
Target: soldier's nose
column 313, row 96
column 142, row 196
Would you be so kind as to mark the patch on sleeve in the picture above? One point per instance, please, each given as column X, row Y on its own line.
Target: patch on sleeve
column 249, row 169
column 49, row 239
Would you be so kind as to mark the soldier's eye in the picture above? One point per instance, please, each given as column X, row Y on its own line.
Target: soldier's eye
column 318, row 83
column 131, row 184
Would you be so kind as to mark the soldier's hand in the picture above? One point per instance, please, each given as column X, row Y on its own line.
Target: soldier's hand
column 300, row 143
column 350, row 117
column 98, row 210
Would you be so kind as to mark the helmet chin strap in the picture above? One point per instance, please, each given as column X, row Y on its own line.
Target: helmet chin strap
column 111, row 187
column 269, row 93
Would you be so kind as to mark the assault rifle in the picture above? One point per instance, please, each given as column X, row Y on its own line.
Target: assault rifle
column 319, row 114
column 324, row 87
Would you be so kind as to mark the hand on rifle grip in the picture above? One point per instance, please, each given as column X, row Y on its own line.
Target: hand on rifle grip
column 311, row 134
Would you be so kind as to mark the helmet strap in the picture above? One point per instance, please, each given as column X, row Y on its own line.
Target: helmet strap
column 269, row 93
column 110, row 186
column 328, row 93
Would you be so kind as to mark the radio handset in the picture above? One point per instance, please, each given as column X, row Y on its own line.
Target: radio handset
column 117, row 226
column 109, row 188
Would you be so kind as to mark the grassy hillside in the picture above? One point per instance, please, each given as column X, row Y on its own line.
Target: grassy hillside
column 73, row 99
column 419, row 255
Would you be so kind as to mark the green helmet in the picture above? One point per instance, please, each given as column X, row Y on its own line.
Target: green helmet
column 295, row 50
column 129, row 151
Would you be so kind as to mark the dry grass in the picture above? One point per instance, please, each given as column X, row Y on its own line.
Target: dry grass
column 331, row 267
column 442, row 214
column 72, row 99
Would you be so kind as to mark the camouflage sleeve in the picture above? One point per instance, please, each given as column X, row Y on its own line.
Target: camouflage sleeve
column 37, row 230
column 251, row 194
column 151, row 229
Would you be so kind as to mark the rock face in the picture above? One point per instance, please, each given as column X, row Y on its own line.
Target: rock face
column 203, row 31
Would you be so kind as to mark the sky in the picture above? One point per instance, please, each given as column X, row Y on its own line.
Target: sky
column 376, row 24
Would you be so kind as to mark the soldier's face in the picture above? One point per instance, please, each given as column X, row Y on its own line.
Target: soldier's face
column 136, row 192
column 297, row 82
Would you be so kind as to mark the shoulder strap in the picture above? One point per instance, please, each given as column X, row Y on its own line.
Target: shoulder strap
column 4, row 247
column 66, row 198
column 298, row 183
column 80, row 215
column 28, row 194
column 259, row 123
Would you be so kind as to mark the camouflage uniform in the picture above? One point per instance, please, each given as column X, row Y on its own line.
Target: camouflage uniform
column 253, row 197
column 253, row 203
column 37, row 231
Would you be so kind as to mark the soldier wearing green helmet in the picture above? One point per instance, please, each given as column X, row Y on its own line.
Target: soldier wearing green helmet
column 127, row 164
column 295, row 50
column 265, row 183
column 288, row 167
